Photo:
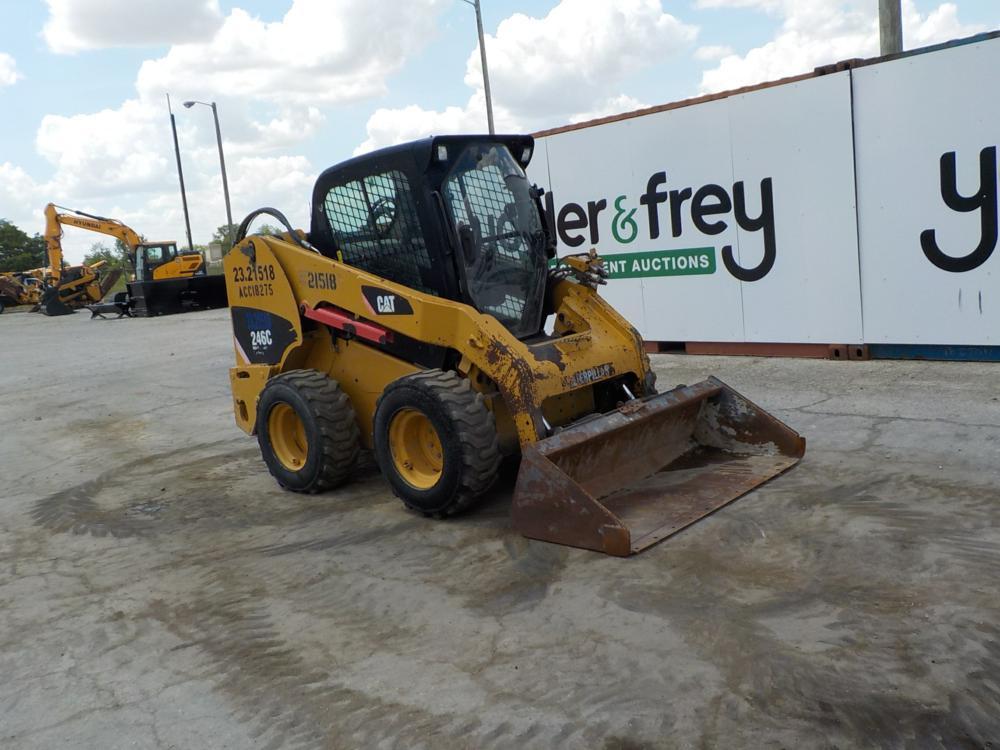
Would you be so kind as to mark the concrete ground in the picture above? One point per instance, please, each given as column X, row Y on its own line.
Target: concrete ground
column 157, row 589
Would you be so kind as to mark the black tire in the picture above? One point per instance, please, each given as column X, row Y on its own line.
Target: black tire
column 2, row 306
column 330, row 427
column 467, row 433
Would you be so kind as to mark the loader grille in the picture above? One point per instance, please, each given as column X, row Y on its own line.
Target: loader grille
column 375, row 226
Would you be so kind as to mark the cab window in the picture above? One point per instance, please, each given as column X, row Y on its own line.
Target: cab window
column 375, row 227
column 159, row 254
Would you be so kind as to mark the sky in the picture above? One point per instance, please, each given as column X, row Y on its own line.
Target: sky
column 303, row 84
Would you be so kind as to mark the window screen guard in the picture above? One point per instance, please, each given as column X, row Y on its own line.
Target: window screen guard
column 375, row 226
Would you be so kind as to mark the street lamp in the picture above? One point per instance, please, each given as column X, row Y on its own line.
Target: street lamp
column 222, row 162
column 482, row 55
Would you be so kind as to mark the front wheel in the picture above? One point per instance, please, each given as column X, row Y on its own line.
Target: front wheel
column 436, row 442
column 307, row 431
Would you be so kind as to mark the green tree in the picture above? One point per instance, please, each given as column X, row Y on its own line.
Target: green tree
column 116, row 257
column 18, row 251
column 224, row 236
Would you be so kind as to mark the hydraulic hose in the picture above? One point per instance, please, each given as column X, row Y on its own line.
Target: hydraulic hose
column 241, row 232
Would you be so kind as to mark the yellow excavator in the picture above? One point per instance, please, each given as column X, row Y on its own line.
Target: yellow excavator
column 19, row 288
column 424, row 316
column 56, row 289
column 164, row 280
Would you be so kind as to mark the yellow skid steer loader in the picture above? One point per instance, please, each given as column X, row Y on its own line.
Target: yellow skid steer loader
column 411, row 320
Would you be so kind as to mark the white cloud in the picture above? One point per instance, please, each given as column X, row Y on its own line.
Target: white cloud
column 713, row 52
column 114, row 163
column 390, row 126
column 564, row 67
column 820, row 32
column 272, row 82
column 939, row 25
column 18, row 195
column 769, row 5
column 576, row 55
column 8, row 70
column 77, row 25
column 291, row 128
column 108, row 152
column 284, row 182
column 120, row 163
column 321, row 52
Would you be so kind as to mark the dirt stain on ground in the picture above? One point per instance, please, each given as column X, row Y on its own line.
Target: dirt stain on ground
column 821, row 610
column 838, row 623
column 184, row 488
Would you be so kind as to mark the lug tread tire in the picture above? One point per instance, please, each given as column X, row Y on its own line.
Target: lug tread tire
column 334, row 415
column 476, row 433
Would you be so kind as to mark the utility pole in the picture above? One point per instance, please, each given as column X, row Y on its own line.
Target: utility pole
column 482, row 56
column 890, row 24
column 180, row 174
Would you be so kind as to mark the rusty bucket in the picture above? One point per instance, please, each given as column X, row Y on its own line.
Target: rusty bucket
column 620, row 482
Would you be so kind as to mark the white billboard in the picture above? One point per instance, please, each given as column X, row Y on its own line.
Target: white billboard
column 730, row 220
column 928, row 131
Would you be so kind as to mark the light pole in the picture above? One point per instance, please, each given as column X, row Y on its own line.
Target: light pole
column 482, row 56
column 222, row 163
column 890, row 22
column 180, row 175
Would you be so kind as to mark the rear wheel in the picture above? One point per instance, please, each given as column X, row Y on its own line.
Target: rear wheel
column 436, row 442
column 307, row 431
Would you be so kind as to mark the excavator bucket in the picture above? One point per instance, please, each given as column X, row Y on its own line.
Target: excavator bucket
column 108, row 280
column 623, row 481
column 52, row 305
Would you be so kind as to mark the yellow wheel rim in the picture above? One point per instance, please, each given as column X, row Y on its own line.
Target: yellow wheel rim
column 416, row 448
column 288, row 436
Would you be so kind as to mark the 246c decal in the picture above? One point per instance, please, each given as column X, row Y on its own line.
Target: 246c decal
column 261, row 337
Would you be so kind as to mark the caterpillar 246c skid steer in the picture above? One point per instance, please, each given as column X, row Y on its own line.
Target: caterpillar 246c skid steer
column 411, row 320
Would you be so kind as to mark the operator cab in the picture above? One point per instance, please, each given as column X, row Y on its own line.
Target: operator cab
column 151, row 255
column 452, row 216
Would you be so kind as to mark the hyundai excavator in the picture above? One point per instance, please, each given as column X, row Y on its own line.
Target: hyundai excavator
column 164, row 280
column 425, row 317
